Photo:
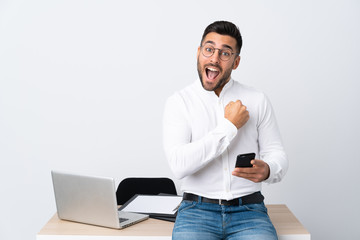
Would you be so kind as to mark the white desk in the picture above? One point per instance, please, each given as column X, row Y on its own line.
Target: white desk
column 286, row 224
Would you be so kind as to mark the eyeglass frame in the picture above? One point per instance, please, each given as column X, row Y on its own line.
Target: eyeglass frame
column 220, row 51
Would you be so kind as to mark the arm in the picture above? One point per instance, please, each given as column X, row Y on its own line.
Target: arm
column 274, row 163
column 185, row 156
column 270, row 144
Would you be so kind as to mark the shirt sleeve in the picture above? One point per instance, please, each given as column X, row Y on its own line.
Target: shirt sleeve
column 185, row 156
column 270, row 143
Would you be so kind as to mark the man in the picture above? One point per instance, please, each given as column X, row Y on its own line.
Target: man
column 206, row 125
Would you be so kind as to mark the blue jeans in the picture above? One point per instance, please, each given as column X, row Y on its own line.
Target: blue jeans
column 209, row 221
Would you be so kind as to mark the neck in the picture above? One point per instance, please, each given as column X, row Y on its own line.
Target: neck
column 220, row 88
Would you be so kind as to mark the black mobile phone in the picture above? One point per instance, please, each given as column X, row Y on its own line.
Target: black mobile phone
column 243, row 160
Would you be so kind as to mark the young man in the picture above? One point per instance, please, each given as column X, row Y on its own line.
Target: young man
column 206, row 125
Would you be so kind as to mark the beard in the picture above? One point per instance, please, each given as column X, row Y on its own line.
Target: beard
column 221, row 82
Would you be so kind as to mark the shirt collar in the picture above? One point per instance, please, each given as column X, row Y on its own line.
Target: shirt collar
column 227, row 86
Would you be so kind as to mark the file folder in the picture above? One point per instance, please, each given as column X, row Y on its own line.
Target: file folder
column 162, row 207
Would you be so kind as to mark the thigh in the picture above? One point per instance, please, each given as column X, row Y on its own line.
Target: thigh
column 250, row 223
column 195, row 221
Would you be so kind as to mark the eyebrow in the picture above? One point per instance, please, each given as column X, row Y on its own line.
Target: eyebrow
column 224, row 45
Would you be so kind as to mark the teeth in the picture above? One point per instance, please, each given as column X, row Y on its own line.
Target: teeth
column 212, row 69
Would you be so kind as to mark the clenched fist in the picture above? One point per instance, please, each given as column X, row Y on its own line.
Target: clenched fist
column 236, row 113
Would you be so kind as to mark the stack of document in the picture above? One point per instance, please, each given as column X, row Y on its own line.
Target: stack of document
column 156, row 206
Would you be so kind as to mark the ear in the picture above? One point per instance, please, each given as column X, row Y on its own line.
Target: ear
column 198, row 52
column 236, row 62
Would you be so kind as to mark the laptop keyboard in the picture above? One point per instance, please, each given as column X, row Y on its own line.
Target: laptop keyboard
column 123, row 219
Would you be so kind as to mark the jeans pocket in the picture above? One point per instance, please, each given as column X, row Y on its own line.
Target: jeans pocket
column 185, row 204
column 257, row 207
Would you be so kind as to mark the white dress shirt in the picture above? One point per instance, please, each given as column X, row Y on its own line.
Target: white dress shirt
column 201, row 145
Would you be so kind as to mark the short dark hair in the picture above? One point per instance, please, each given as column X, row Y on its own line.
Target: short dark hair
column 224, row 28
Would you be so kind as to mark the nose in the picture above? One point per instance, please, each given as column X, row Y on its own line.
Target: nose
column 215, row 58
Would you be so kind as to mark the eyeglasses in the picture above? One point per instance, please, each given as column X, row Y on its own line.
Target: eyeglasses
column 225, row 54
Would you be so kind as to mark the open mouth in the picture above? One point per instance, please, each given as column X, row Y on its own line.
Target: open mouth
column 211, row 73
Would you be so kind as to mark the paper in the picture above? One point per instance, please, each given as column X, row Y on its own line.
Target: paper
column 154, row 204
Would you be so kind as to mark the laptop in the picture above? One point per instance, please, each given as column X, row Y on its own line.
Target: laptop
column 90, row 200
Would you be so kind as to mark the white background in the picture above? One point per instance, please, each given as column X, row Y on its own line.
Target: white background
column 83, row 86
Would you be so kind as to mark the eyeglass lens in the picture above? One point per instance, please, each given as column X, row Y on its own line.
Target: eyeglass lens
column 208, row 51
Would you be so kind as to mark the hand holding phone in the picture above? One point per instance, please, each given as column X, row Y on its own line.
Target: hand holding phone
column 243, row 160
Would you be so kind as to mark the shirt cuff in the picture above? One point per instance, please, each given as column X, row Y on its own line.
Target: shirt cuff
column 273, row 170
column 229, row 129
